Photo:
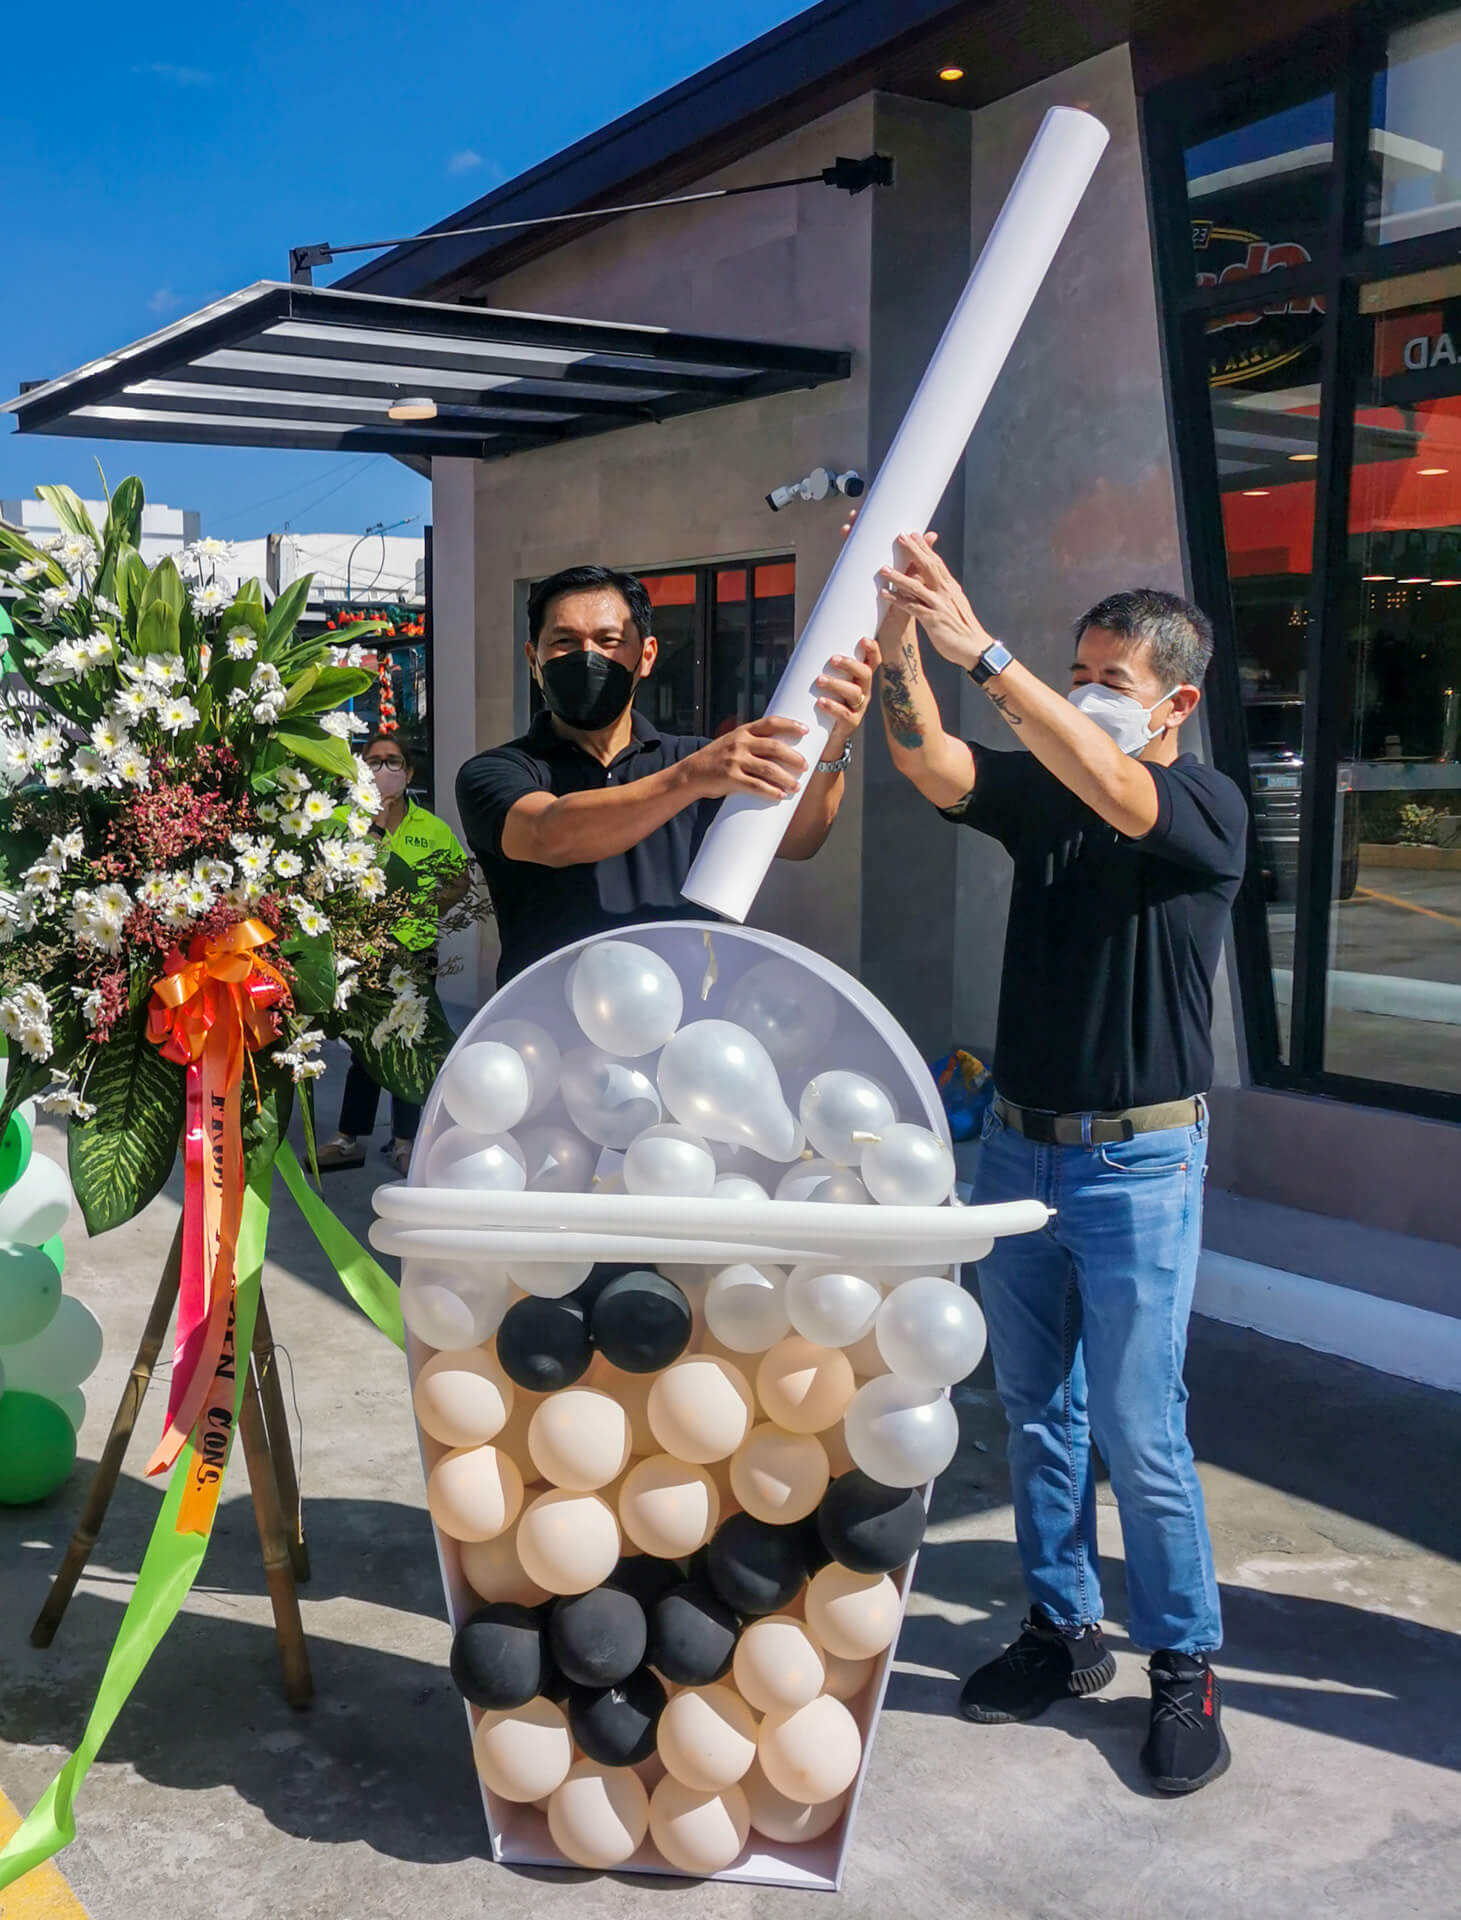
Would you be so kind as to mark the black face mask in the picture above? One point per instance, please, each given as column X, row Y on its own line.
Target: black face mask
column 586, row 690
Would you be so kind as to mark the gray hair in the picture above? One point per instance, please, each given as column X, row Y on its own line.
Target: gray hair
column 1179, row 634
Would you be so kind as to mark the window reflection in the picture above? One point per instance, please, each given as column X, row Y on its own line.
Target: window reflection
column 1414, row 183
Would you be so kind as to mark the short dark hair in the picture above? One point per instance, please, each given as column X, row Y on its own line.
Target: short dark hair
column 389, row 737
column 1179, row 634
column 590, row 580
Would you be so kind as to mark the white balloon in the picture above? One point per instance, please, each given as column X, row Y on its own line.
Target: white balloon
column 719, row 1080
column 489, row 1162
column 669, row 1159
column 550, row 1279
column 823, row 1180
column 790, row 1011
column 486, row 1087
column 738, row 1186
column 452, row 1308
column 908, row 1166
column 930, row 1332
column 539, row 1053
column 899, row 1434
column 838, row 1107
column 829, row 1307
column 73, row 1404
column 625, row 997
column 606, row 1099
column 557, row 1159
column 61, row 1355
column 745, row 1307
column 37, row 1206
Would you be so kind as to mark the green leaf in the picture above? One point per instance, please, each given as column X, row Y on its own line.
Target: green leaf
column 68, row 509
column 266, row 1124
column 313, row 961
column 130, row 581
column 165, row 586
column 124, row 522
column 157, row 630
column 308, row 741
column 332, row 687
column 122, row 1156
column 285, row 612
column 300, row 688
column 406, row 1071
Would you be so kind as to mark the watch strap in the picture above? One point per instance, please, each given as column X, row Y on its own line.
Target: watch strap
column 993, row 661
column 839, row 765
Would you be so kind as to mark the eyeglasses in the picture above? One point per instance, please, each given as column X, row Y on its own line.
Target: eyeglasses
column 393, row 763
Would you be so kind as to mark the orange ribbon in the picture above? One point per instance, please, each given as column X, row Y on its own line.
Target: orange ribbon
column 210, row 1010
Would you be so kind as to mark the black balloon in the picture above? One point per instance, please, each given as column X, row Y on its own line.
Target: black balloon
column 692, row 1635
column 754, row 1567
column 645, row 1577
column 497, row 1658
column 543, row 1344
column 587, row 1295
column 813, row 1545
column 869, row 1527
column 597, row 1638
column 641, row 1322
column 617, row 1725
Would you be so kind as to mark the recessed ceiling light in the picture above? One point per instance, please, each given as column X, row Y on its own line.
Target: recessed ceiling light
column 1433, row 470
column 1303, row 456
column 1414, row 580
column 415, row 406
column 1255, row 493
column 951, row 73
column 1378, row 576
column 1446, row 583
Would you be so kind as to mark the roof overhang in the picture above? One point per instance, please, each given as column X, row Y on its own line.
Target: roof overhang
column 315, row 367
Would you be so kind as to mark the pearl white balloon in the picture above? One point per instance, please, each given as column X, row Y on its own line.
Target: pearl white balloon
column 899, row 1434
column 908, row 1166
column 833, row 1308
column 557, row 1159
column 452, row 1308
column 72, row 1403
column 60, row 1356
column 38, row 1205
column 931, row 1332
column 745, row 1307
column 484, row 1162
column 837, row 1106
column 738, row 1186
column 539, row 1053
column 825, row 1181
column 550, row 1279
column 719, row 1081
column 625, row 997
column 607, row 1099
column 486, row 1087
column 790, row 1011
column 669, row 1159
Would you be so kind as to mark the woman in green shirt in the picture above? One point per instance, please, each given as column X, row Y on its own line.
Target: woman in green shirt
column 415, row 837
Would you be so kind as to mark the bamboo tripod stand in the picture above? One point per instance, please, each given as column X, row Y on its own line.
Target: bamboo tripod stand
column 264, row 1432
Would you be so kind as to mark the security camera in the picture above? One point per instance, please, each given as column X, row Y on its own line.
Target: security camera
column 819, row 483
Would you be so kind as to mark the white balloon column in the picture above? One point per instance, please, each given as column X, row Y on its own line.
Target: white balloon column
column 678, row 1433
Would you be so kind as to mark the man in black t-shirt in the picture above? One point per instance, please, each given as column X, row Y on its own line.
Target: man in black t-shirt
column 1127, row 855
column 591, row 819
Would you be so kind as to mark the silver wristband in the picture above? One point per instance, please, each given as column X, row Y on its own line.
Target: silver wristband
column 837, row 766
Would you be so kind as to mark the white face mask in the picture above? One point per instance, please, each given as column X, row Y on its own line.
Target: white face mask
column 1119, row 715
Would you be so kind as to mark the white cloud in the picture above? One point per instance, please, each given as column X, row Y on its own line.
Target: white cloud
column 182, row 76
column 466, row 161
column 164, row 301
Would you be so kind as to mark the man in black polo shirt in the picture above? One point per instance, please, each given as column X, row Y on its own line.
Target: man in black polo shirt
column 1127, row 855
column 591, row 819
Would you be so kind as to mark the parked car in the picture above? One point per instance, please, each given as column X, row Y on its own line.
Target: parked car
column 1276, row 777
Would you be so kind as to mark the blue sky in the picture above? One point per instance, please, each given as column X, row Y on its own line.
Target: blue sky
column 158, row 157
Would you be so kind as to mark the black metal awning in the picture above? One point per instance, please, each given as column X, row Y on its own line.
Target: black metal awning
column 289, row 366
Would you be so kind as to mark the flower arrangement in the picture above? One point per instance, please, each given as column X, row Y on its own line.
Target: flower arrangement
column 186, row 787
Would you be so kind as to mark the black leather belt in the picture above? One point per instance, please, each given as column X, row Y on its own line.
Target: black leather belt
column 1096, row 1129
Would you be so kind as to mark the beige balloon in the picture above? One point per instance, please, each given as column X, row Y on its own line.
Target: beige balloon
column 474, row 1493
column 568, row 1542
column 523, row 1753
column 720, row 1473
column 513, row 1438
column 854, row 1614
column 631, row 1391
column 493, row 1571
column 778, row 1664
column 779, row 1476
column 803, row 1387
column 599, row 1816
column 701, row 1409
column 834, row 1445
column 810, row 1753
column 463, row 1399
column 707, row 1737
column 668, row 1507
column 783, row 1821
column 847, row 1678
column 700, row 1833
column 867, row 1356
column 579, row 1438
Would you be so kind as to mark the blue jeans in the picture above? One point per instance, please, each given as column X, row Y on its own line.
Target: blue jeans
column 1088, row 1330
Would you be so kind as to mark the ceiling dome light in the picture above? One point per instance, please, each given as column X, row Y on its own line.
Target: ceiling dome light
column 1426, row 470
column 951, row 73
column 1303, row 456
column 417, row 406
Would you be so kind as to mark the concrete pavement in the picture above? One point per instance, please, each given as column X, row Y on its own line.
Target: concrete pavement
column 1331, row 1494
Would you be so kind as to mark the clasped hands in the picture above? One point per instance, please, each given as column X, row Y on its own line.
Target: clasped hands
column 924, row 590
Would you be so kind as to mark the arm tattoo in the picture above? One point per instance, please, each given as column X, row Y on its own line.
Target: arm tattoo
column 898, row 708
column 1000, row 702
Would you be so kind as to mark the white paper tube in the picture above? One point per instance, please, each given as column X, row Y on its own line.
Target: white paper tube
column 745, row 835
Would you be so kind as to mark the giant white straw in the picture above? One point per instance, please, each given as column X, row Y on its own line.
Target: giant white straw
column 744, row 837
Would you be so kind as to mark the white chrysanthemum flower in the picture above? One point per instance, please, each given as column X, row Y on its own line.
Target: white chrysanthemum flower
column 58, row 777
column 66, row 846
column 242, row 643
column 253, row 861
column 36, row 1043
column 197, row 895
column 344, row 988
column 32, row 1001
column 267, row 812
column 295, row 825
column 342, row 725
column 265, row 678
column 238, row 696
column 29, row 570
column 288, row 865
column 210, row 599
column 100, row 604
column 132, row 768
column 293, row 780
column 213, row 873
column 176, row 913
column 42, row 878
column 91, row 1003
column 64, row 1099
column 156, row 890
column 358, row 856
column 357, row 824
column 16, row 756
column 371, row 884
column 165, row 669
column 310, row 920
column 98, row 648
column 109, row 736
column 401, row 980
column 48, row 742
column 90, row 769
column 210, row 549
column 270, row 712
column 77, row 553
column 132, row 704
column 316, row 807
column 61, row 663
column 57, row 600
column 113, row 901
column 174, row 715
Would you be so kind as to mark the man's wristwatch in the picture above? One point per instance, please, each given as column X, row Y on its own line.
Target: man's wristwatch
column 837, row 766
column 994, row 659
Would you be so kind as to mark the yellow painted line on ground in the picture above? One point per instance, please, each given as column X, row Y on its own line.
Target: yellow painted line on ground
column 1410, row 906
column 41, row 1894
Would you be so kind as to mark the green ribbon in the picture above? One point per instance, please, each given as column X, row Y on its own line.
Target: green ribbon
column 365, row 1280
column 169, row 1568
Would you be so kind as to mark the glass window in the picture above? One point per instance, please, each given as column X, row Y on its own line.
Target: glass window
column 1258, row 198
column 1393, row 1007
column 671, row 696
column 1414, row 179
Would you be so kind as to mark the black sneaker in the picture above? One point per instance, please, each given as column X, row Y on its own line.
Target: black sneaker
column 1185, row 1747
column 1044, row 1665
